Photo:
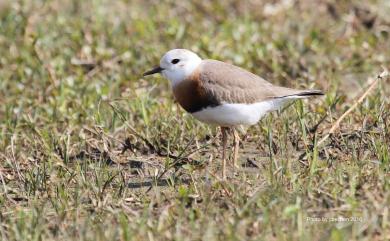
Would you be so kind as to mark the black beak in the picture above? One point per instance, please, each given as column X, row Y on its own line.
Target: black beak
column 155, row 70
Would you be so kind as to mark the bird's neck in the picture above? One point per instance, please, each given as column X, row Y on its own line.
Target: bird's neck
column 190, row 69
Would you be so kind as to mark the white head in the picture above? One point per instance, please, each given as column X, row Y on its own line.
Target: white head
column 176, row 65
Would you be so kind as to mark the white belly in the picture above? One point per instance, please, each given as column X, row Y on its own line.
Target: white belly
column 237, row 114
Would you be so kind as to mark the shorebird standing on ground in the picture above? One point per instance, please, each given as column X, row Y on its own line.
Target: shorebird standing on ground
column 222, row 94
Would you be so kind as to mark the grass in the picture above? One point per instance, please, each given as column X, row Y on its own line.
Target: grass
column 83, row 136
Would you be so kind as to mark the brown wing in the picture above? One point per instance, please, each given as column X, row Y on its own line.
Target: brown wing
column 231, row 84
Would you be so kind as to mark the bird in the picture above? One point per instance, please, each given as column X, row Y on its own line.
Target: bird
column 222, row 94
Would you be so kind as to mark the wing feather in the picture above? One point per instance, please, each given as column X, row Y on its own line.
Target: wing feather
column 231, row 84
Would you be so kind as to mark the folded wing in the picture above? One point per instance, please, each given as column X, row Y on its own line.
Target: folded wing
column 228, row 83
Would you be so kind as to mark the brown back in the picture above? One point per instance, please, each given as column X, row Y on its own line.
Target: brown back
column 232, row 84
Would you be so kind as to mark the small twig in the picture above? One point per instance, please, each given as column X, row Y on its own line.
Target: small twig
column 336, row 125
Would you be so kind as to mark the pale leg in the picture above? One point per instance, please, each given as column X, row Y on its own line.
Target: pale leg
column 236, row 143
column 224, row 131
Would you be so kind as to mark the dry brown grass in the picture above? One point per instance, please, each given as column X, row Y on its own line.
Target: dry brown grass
column 91, row 151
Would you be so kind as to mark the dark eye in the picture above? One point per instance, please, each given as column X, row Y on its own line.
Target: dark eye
column 175, row 61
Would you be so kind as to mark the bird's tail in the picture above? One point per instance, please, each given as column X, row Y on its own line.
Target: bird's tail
column 304, row 94
column 308, row 93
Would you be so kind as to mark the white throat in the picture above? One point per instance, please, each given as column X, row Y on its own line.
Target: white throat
column 182, row 71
